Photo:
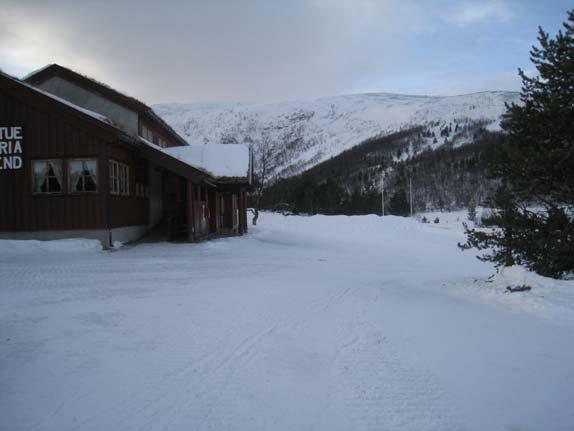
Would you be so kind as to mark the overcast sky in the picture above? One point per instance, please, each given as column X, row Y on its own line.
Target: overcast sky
column 262, row 50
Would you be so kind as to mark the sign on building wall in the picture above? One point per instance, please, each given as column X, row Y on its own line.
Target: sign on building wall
column 11, row 148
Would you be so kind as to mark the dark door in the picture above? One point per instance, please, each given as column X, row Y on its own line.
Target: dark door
column 212, row 202
column 174, row 204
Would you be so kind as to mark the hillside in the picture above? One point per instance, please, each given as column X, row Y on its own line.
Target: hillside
column 446, row 178
column 304, row 133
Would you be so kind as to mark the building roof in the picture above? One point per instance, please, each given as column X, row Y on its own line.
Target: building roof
column 104, row 125
column 41, row 75
column 225, row 162
column 103, row 120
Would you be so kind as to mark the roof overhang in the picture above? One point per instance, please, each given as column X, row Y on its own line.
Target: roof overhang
column 163, row 160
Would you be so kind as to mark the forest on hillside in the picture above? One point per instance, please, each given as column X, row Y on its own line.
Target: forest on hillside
column 446, row 178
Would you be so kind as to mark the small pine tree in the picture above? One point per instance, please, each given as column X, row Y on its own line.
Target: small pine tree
column 471, row 212
column 399, row 204
column 535, row 167
column 502, row 242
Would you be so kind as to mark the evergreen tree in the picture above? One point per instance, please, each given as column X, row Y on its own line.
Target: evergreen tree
column 471, row 212
column 536, row 166
column 399, row 204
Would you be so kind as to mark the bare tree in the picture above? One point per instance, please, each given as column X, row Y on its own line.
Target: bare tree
column 262, row 170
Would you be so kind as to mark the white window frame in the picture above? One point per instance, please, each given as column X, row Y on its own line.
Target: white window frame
column 119, row 185
column 62, row 182
column 70, row 186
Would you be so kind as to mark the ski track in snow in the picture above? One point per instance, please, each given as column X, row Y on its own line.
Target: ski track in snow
column 321, row 323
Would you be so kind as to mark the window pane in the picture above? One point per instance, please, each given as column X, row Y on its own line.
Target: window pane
column 56, row 166
column 121, row 179
column 40, row 172
column 113, row 177
column 54, row 185
column 124, row 180
column 75, row 172
column 110, row 178
column 90, row 174
column 83, row 175
column 47, row 176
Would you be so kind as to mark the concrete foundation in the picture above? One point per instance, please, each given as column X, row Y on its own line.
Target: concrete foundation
column 107, row 238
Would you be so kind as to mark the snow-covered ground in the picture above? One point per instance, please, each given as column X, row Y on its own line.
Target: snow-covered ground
column 307, row 323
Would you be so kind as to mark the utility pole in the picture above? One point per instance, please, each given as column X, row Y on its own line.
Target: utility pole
column 411, row 192
column 383, row 193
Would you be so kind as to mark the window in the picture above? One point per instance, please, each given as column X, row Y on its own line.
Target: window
column 158, row 140
column 124, row 180
column 152, row 137
column 146, row 133
column 83, row 175
column 141, row 190
column 48, row 176
column 114, row 184
column 119, row 178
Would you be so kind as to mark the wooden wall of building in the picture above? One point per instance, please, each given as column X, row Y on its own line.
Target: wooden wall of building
column 53, row 131
column 128, row 210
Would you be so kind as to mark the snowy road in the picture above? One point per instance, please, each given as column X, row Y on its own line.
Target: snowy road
column 322, row 323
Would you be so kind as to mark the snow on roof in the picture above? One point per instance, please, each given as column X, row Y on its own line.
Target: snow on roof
column 219, row 160
column 150, row 143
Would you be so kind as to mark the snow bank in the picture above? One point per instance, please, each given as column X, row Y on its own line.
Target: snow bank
column 548, row 298
column 34, row 247
column 220, row 160
column 393, row 232
column 519, row 276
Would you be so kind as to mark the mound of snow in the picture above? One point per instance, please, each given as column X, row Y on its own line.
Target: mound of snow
column 517, row 275
column 34, row 247
column 548, row 298
column 367, row 230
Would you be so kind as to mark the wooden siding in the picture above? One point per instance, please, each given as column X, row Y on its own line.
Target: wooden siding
column 128, row 210
column 52, row 130
column 159, row 132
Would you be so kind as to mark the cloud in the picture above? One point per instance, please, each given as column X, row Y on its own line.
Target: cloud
column 194, row 50
column 197, row 50
column 480, row 12
column 506, row 81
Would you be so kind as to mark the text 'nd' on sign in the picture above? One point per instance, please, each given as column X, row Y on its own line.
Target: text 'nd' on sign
column 11, row 148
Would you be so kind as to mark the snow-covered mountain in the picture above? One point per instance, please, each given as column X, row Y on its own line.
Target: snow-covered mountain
column 304, row 133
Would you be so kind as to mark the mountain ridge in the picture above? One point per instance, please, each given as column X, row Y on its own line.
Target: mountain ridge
column 305, row 132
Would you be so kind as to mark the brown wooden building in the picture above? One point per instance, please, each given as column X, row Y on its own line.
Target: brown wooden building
column 79, row 159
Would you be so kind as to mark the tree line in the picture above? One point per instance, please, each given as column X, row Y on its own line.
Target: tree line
column 443, row 179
